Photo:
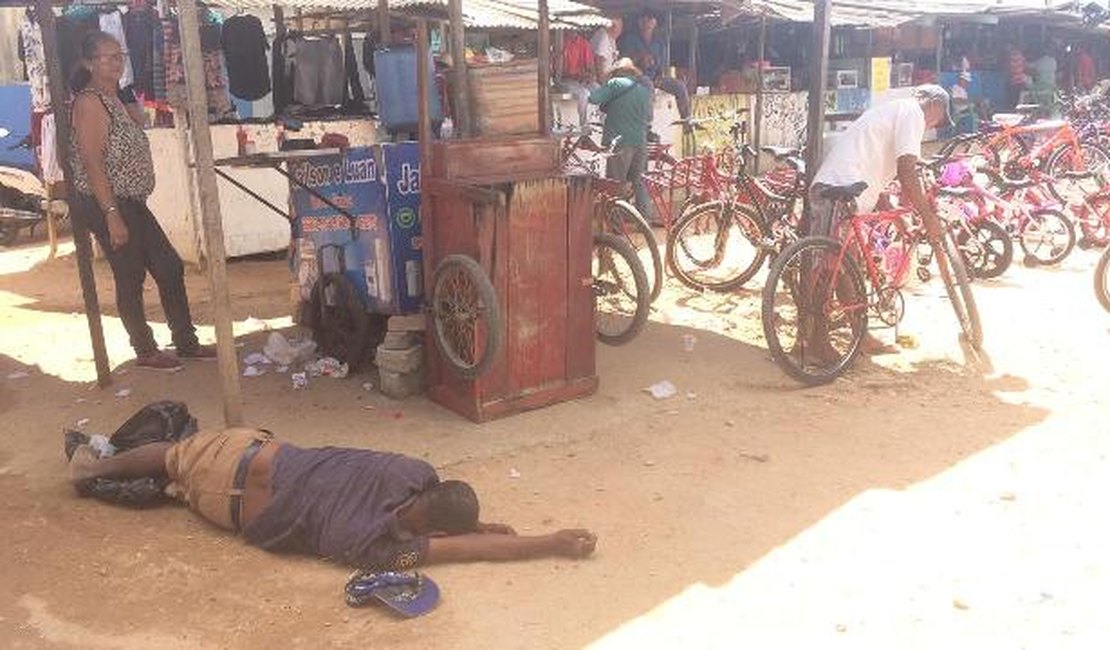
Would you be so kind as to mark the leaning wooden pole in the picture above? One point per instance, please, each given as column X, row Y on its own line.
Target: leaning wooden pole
column 819, row 74
column 59, row 98
column 460, row 83
column 210, row 211
column 544, row 60
column 757, row 116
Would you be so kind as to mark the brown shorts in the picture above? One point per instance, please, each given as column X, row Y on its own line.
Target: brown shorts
column 202, row 469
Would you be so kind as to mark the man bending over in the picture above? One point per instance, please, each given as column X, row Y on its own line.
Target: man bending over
column 359, row 507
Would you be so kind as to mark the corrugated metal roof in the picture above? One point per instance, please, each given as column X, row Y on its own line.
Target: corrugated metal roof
column 886, row 13
column 477, row 14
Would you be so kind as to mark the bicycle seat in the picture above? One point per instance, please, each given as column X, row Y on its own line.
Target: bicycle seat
column 779, row 152
column 843, row 192
column 797, row 162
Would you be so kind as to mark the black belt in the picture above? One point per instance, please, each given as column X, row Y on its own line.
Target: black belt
column 240, row 481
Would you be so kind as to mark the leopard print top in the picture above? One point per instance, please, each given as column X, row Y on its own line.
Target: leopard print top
column 127, row 155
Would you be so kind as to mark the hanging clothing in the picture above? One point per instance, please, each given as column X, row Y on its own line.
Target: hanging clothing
column 158, row 65
column 11, row 56
column 356, row 96
column 244, row 45
column 48, row 152
column 282, row 71
column 112, row 23
column 318, row 75
column 139, row 25
column 215, row 83
column 35, row 61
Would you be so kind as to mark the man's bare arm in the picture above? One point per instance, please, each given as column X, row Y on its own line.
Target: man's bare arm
column 910, row 183
column 492, row 547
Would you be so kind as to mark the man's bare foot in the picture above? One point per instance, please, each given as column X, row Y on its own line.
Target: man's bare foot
column 82, row 464
column 872, row 346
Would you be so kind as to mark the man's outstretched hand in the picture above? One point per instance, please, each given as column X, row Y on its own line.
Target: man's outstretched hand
column 574, row 543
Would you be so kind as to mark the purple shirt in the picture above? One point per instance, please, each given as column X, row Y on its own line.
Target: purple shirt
column 341, row 503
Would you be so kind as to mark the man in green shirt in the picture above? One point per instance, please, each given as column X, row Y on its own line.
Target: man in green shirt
column 626, row 99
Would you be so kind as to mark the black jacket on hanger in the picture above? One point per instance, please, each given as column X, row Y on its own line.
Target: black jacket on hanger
column 245, row 46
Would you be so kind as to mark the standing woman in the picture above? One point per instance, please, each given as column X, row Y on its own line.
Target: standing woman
column 113, row 173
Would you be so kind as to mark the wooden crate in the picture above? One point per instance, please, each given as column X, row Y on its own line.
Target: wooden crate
column 504, row 98
column 534, row 240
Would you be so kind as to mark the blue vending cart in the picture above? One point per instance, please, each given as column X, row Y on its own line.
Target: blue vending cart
column 351, row 274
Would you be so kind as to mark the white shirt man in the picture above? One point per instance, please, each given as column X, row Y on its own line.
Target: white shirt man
column 604, row 43
column 869, row 150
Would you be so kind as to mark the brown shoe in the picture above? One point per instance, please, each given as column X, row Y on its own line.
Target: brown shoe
column 198, row 352
column 158, row 361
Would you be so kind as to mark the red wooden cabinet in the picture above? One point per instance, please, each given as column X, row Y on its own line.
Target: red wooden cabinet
column 504, row 203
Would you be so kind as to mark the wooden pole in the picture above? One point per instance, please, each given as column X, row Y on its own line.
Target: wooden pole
column 820, row 71
column 560, row 47
column 424, row 126
column 544, row 60
column 279, row 37
column 666, row 62
column 384, row 35
column 693, row 67
column 460, row 86
column 210, row 211
column 757, row 118
column 59, row 99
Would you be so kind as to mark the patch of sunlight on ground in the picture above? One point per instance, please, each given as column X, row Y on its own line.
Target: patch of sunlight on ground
column 22, row 260
column 999, row 551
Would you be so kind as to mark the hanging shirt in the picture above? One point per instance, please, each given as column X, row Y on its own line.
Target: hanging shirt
column 1084, row 70
column 48, row 152
column 318, row 73
column 604, row 48
column 140, row 25
column 245, row 45
column 35, row 60
column 112, row 23
column 578, row 57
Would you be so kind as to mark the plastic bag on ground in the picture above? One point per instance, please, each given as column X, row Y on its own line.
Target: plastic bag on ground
column 284, row 352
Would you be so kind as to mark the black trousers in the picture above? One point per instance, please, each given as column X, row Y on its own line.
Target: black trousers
column 147, row 249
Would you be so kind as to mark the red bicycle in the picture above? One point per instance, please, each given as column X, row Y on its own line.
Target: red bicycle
column 822, row 294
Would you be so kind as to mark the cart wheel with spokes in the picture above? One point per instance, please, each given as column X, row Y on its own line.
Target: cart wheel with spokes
column 466, row 317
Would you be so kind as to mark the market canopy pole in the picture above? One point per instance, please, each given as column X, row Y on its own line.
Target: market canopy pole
column 460, row 92
column 757, row 136
column 816, row 124
column 384, row 36
column 210, row 210
column 58, row 98
column 543, row 58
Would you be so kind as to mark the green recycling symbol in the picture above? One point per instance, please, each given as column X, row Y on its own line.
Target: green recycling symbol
column 406, row 217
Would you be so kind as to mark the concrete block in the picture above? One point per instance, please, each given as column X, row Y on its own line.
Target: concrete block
column 401, row 340
column 407, row 360
column 400, row 385
column 408, row 323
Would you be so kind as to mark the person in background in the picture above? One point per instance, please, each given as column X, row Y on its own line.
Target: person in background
column 113, row 174
column 1084, row 69
column 963, row 109
column 579, row 72
column 1017, row 75
column 604, row 44
column 626, row 100
column 1044, row 80
column 646, row 50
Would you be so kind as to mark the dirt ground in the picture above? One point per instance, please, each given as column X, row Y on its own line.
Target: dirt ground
column 924, row 500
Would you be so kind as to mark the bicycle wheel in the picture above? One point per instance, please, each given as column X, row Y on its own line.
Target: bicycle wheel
column 814, row 310
column 986, row 248
column 1005, row 158
column 625, row 221
column 620, row 290
column 1077, row 174
column 958, row 286
column 466, row 316
column 1095, row 223
column 1102, row 280
column 716, row 246
column 1046, row 237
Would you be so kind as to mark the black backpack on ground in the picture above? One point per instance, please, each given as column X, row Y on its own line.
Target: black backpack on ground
column 164, row 421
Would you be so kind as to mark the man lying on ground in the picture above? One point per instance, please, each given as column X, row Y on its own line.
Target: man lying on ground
column 359, row 507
